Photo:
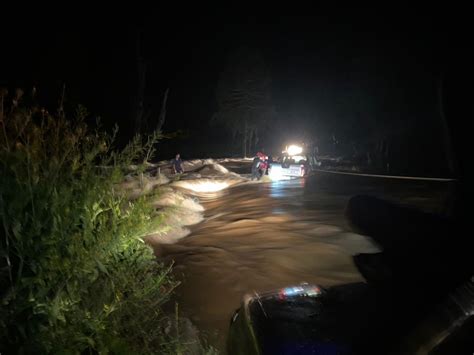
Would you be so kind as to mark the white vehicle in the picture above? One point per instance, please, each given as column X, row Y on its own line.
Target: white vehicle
column 293, row 164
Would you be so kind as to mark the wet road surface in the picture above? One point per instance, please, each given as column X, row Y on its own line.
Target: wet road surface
column 263, row 236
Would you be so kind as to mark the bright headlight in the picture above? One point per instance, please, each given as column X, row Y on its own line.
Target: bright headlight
column 294, row 150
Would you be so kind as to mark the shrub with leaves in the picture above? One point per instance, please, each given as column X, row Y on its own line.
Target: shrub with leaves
column 75, row 275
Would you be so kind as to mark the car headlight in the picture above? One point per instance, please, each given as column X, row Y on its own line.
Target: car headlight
column 294, row 150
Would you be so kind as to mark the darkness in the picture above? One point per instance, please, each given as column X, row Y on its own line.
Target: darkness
column 349, row 73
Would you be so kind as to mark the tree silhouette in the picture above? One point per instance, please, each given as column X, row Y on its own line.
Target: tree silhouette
column 144, row 118
column 243, row 97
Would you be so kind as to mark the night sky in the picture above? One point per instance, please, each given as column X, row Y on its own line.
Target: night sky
column 330, row 70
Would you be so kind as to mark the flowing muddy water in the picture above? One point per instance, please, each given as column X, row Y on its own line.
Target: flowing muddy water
column 263, row 236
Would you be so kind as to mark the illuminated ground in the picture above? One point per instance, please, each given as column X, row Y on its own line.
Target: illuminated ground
column 269, row 235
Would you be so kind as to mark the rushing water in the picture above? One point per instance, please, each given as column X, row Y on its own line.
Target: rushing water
column 263, row 236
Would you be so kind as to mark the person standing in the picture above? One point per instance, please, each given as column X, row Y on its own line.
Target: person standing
column 177, row 164
column 255, row 168
column 259, row 166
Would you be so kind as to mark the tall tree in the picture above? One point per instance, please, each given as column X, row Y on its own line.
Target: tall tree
column 143, row 119
column 243, row 97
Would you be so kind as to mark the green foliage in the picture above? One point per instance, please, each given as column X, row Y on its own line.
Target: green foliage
column 75, row 275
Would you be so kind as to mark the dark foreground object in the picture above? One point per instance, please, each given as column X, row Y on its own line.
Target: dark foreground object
column 419, row 295
column 351, row 319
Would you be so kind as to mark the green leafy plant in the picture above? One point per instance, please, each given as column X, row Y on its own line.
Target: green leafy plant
column 75, row 275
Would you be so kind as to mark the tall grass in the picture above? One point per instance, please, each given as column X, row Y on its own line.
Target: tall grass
column 75, row 277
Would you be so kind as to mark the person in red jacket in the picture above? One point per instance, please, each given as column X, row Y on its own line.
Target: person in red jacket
column 263, row 166
column 259, row 166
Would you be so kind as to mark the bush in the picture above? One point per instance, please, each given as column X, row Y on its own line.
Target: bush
column 75, row 275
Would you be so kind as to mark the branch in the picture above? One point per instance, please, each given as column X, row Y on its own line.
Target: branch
column 162, row 117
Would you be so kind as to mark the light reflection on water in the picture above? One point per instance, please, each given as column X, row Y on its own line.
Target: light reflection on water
column 285, row 188
column 277, row 189
column 278, row 210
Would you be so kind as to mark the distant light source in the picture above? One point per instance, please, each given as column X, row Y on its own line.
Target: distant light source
column 294, row 150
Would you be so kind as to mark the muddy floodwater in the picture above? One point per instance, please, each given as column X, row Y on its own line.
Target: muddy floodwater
column 264, row 236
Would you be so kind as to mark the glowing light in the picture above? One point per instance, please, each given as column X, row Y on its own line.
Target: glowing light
column 294, row 150
column 292, row 291
column 303, row 290
column 204, row 186
column 276, row 174
column 298, row 158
